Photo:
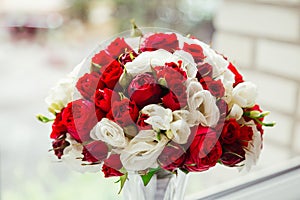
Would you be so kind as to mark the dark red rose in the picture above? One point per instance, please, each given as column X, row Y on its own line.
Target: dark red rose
column 117, row 47
column 232, row 154
column 156, row 41
column 204, row 152
column 58, row 146
column 171, row 101
column 171, row 71
column 177, row 97
column 144, row 90
column 231, row 131
column 99, row 114
column 237, row 76
column 223, row 108
column 111, row 73
column 104, row 98
column 125, row 112
column 112, row 165
column 258, row 126
column 102, row 58
column 95, row 151
column 109, row 172
column 88, row 84
column 216, row 88
column 195, row 50
column 142, row 125
column 79, row 117
column 204, row 70
column 246, row 135
column 172, row 157
column 127, row 57
column 58, row 127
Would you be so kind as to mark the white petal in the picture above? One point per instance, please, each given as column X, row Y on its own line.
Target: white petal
column 244, row 94
column 236, row 112
column 181, row 131
column 109, row 132
column 159, row 117
column 143, row 151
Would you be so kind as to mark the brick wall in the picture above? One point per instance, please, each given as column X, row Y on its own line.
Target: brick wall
column 262, row 37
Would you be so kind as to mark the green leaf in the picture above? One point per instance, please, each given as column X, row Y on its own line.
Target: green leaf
column 147, row 177
column 43, row 119
column 122, row 181
column 185, row 171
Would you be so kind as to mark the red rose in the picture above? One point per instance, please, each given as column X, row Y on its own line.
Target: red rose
column 124, row 112
column 232, row 154
column 95, row 151
column 127, row 57
column 104, row 98
column 156, row 41
column 177, row 97
column 142, row 125
column 216, row 88
column 246, row 135
column 111, row 73
column 58, row 127
column 195, row 50
column 79, row 117
column 204, row 152
column 144, row 90
column 88, row 84
column 112, row 165
column 172, row 157
column 223, row 108
column 58, row 146
column 170, row 72
column 102, row 58
column 231, row 131
column 204, row 70
column 117, row 47
column 237, row 76
column 171, row 101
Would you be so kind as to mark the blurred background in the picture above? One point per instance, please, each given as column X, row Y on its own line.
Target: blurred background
column 41, row 41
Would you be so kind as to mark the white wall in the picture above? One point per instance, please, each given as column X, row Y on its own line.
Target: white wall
column 262, row 38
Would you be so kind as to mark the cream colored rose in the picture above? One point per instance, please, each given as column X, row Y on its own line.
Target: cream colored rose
column 244, row 94
column 236, row 112
column 63, row 92
column 148, row 59
column 203, row 106
column 143, row 151
column 159, row 117
column 109, row 132
column 180, row 131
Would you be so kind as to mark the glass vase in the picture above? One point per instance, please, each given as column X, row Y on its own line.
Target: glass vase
column 162, row 186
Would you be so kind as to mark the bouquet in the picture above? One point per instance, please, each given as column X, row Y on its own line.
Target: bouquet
column 155, row 101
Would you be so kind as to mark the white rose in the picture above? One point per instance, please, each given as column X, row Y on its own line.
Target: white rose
column 180, row 131
column 63, row 92
column 159, row 117
column 148, row 59
column 244, row 94
column 236, row 112
column 143, row 151
column 203, row 105
column 191, row 118
column 188, row 64
column 109, row 132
